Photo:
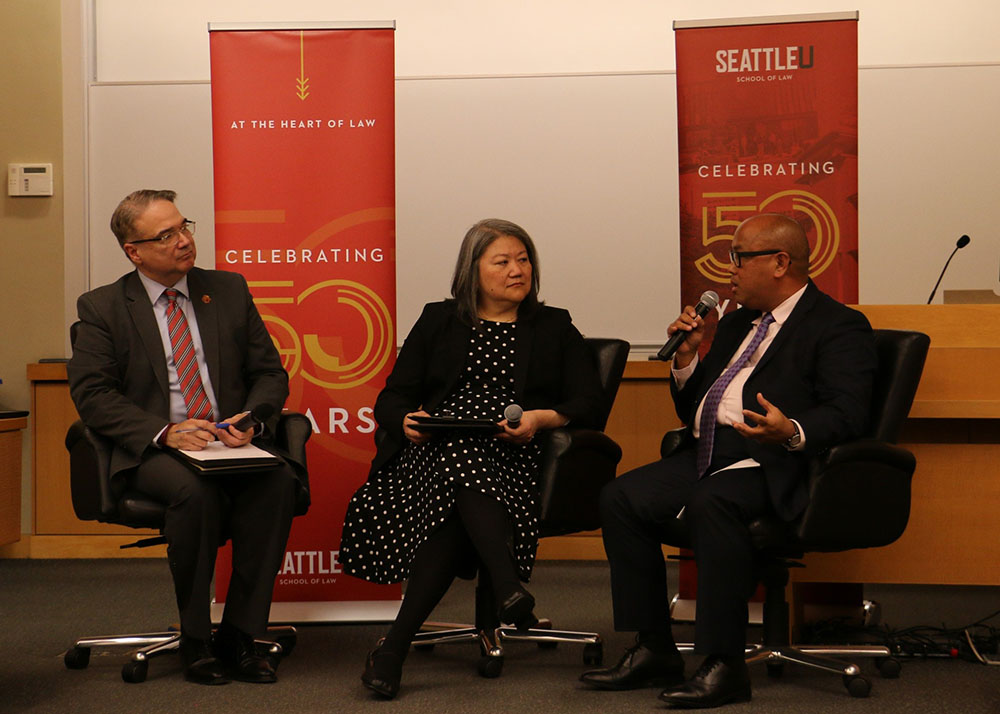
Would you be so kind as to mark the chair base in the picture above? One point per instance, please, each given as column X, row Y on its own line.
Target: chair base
column 818, row 657
column 491, row 641
column 153, row 644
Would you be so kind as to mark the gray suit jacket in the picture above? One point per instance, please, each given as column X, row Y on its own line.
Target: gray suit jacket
column 118, row 372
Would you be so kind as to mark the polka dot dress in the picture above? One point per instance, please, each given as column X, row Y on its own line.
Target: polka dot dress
column 393, row 513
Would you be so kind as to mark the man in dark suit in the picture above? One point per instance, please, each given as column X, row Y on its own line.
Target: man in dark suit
column 159, row 356
column 788, row 375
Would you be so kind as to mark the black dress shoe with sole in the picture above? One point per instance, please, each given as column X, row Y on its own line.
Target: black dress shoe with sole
column 238, row 652
column 383, row 671
column 718, row 681
column 518, row 610
column 200, row 665
column 639, row 667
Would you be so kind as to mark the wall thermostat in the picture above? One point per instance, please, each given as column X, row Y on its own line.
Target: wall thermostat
column 29, row 179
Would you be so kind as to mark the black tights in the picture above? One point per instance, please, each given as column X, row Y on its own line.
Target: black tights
column 477, row 529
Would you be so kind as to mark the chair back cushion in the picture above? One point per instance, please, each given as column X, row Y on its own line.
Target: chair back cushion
column 577, row 463
column 612, row 356
column 901, row 356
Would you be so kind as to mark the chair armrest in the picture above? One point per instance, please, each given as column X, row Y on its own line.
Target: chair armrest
column 575, row 466
column 675, row 440
column 859, row 496
column 291, row 434
column 94, row 498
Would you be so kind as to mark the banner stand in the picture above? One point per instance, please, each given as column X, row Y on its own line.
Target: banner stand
column 303, row 131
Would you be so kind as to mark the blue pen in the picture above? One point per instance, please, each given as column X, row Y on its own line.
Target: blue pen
column 218, row 425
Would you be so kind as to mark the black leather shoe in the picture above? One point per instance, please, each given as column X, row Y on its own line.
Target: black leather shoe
column 639, row 667
column 717, row 681
column 238, row 652
column 200, row 665
column 383, row 671
column 518, row 610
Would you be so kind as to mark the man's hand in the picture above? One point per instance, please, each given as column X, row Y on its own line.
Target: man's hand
column 417, row 437
column 689, row 322
column 191, row 434
column 232, row 436
column 772, row 427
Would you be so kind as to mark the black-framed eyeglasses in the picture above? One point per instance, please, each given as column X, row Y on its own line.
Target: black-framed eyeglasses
column 737, row 256
column 170, row 235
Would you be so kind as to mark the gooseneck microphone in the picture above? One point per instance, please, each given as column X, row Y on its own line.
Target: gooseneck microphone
column 709, row 299
column 960, row 243
column 258, row 415
column 513, row 414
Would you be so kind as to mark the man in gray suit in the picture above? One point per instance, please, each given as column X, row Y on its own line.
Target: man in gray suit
column 159, row 358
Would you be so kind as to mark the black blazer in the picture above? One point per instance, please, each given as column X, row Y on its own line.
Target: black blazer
column 818, row 371
column 118, row 372
column 553, row 369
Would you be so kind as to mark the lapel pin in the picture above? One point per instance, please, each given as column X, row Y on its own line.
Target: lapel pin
column 206, row 299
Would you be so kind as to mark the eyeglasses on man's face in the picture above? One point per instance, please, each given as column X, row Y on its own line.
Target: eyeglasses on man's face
column 737, row 256
column 169, row 236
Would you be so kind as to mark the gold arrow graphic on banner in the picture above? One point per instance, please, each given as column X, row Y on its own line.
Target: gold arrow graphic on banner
column 303, row 81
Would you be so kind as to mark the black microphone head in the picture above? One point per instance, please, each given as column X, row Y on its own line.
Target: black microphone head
column 262, row 412
column 963, row 241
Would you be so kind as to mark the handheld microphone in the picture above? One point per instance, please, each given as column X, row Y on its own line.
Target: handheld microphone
column 513, row 414
column 960, row 243
column 257, row 415
column 709, row 299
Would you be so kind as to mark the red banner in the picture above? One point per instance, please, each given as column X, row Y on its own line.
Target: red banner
column 767, row 120
column 303, row 134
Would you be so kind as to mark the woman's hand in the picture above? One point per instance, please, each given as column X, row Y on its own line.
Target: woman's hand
column 417, row 437
column 532, row 421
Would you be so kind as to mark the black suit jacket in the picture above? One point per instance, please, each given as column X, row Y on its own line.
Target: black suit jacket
column 818, row 371
column 553, row 369
column 118, row 372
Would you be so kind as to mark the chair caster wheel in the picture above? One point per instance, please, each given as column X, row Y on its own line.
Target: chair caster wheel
column 135, row 672
column 775, row 669
column 490, row 667
column 424, row 647
column 593, row 654
column 77, row 658
column 857, row 686
column 888, row 667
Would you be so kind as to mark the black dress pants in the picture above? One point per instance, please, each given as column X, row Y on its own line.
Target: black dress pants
column 254, row 510
column 639, row 512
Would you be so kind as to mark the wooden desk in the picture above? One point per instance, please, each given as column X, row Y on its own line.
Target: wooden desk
column 10, row 479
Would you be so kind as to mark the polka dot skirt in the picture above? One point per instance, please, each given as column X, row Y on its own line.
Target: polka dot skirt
column 391, row 515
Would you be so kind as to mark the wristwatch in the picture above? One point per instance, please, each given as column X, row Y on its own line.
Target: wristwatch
column 795, row 439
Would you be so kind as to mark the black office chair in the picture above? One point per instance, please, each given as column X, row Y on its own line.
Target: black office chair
column 859, row 497
column 576, row 464
column 97, row 498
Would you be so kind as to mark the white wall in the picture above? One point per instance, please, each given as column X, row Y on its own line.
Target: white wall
column 561, row 115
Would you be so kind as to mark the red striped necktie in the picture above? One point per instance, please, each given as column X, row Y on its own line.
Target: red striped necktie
column 195, row 398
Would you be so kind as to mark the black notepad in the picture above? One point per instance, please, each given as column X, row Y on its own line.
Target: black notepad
column 450, row 423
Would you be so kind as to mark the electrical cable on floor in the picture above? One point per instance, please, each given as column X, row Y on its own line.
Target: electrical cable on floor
column 967, row 643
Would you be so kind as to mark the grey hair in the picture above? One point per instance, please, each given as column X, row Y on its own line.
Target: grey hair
column 465, row 281
column 131, row 207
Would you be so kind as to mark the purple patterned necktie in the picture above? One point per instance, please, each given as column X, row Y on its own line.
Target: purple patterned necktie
column 710, row 405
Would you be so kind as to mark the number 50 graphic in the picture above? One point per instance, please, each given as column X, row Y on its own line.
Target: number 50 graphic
column 827, row 229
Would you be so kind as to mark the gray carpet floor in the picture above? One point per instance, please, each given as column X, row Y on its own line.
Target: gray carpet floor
column 45, row 604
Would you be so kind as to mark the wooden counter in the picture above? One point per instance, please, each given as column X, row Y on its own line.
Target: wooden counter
column 10, row 479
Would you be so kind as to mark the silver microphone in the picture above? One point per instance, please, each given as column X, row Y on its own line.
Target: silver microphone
column 513, row 415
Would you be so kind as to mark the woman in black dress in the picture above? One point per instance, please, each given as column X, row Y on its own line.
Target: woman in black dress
column 439, row 506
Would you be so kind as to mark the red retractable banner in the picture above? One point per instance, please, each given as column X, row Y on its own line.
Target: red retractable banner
column 303, row 136
column 767, row 121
